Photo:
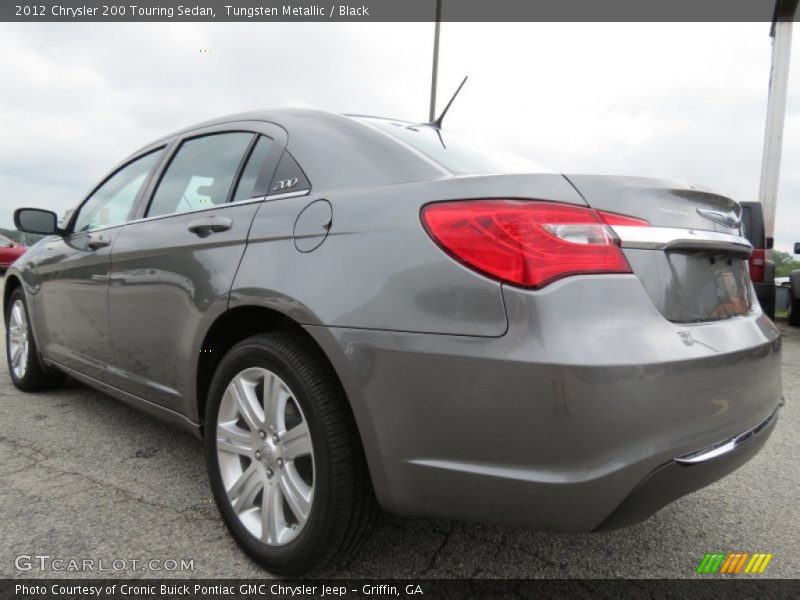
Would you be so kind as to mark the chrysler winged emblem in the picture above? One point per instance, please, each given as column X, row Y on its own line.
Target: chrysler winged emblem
column 721, row 218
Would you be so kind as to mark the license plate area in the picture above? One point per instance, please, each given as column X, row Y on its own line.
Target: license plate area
column 708, row 286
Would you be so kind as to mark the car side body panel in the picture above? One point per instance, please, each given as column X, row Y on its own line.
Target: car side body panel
column 165, row 283
column 68, row 301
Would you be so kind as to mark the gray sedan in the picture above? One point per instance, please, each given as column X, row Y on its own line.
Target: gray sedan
column 356, row 312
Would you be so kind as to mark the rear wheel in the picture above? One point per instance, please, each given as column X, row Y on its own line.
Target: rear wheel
column 284, row 459
column 26, row 371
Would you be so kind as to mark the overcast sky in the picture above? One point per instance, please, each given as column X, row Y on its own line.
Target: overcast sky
column 684, row 101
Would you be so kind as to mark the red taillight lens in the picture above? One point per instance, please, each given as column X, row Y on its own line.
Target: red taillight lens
column 756, row 262
column 526, row 243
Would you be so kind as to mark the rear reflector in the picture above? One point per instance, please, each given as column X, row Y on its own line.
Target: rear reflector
column 756, row 262
column 528, row 243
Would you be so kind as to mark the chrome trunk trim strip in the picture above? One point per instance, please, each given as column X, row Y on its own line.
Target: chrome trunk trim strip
column 672, row 238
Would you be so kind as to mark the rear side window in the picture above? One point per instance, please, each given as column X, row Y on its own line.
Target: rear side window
column 289, row 177
column 111, row 204
column 200, row 174
column 255, row 164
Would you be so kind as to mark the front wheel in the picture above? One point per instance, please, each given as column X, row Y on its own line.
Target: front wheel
column 27, row 373
column 284, row 459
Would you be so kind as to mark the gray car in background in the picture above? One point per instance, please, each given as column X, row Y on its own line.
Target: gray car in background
column 356, row 312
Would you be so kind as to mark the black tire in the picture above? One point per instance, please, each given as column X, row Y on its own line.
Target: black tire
column 36, row 377
column 344, row 506
column 794, row 310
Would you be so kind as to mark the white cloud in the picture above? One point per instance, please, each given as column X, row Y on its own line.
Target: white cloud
column 684, row 101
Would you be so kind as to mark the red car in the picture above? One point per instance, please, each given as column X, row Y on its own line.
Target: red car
column 9, row 252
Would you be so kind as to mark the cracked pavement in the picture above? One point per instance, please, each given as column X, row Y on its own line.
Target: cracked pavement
column 83, row 475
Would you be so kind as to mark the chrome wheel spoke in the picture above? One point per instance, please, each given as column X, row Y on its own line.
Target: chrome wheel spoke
column 296, row 441
column 244, row 490
column 247, row 402
column 16, row 356
column 233, row 439
column 272, row 519
column 296, row 493
column 275, row 396
column 17, row 314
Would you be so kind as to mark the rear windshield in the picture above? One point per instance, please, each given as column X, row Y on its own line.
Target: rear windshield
column 456, row 154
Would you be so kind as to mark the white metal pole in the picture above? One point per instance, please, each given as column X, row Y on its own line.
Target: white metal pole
column 435, row 68
column 773, row 134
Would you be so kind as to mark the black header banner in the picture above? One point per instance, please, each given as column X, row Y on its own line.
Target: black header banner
column 396, row 10
column 372, row 589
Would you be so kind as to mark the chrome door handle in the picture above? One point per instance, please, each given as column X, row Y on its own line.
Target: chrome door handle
column 96, row 242
column 204, row 227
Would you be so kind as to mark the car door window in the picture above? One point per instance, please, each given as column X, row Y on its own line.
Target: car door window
column 255, row 164
column 112, row 202
column 201, row 173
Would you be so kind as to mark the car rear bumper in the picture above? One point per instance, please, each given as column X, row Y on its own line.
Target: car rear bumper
column 689, row 473
column 554, row 424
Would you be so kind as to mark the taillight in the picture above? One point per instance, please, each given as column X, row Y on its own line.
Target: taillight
column 528, row 243
column 615, row 219
column 756, row 262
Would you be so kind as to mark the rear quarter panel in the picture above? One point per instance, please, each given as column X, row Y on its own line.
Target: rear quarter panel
column 377, row 267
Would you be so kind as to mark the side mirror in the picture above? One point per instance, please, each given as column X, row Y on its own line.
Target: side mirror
column 770, row 243
column 36, row 220
column 797, row 247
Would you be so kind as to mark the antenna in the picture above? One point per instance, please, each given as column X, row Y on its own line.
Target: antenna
column 437, row 123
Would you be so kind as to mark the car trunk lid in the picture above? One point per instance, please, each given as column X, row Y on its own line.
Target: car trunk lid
column 692, row 259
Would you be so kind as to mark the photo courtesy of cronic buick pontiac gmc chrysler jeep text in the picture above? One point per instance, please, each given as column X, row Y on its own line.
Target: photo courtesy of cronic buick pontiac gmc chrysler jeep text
column 357, row 312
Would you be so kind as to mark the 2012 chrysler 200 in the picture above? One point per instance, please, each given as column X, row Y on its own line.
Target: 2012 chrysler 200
column 357, row 312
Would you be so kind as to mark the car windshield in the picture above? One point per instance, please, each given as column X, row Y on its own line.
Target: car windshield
column 455, row 153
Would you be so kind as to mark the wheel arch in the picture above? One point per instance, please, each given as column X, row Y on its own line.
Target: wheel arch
column 227, row 330
column 243, row 321
column 12, row 282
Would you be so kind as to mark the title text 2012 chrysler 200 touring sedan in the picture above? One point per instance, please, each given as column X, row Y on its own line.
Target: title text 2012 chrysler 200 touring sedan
column 357, row 312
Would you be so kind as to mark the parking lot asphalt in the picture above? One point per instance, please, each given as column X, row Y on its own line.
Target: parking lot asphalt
column 85, row 476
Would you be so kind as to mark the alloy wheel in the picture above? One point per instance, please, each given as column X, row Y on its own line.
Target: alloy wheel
column 18, row 339
column 265, row 456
